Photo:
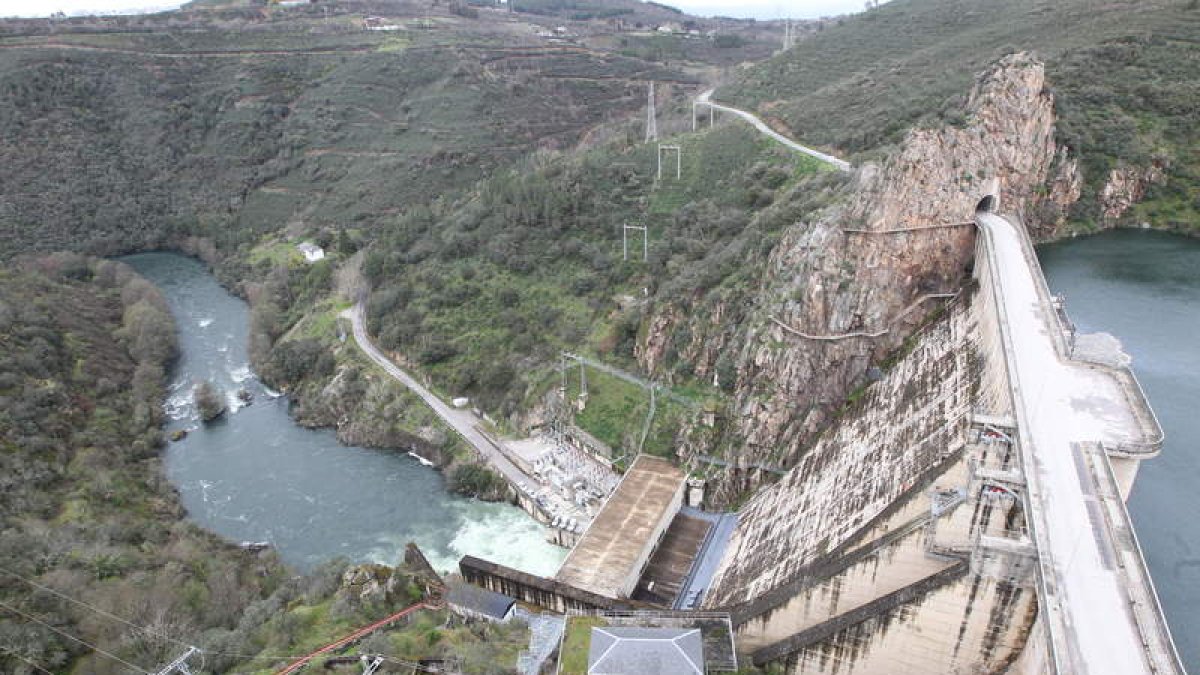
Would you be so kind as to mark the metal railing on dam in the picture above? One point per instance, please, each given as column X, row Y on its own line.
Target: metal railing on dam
column 1064, row 337
column 1099, row 604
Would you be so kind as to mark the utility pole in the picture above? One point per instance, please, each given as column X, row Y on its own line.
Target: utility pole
column 625, row 242
column 563, row 368
column 678, row 159
column 180, row 665
column 651, row 117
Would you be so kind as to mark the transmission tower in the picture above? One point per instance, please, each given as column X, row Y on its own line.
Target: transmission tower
column 180, row 665
column 625, row 241
column 651, row 117
column 678, row 159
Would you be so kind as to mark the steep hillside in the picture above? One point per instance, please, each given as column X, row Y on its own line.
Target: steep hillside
column 234, row 132
column 1124, row 75
column 485, row 294
column 94, row 543
column 84, row 506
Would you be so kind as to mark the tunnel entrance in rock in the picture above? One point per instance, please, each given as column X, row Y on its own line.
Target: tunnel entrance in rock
column 986, row 205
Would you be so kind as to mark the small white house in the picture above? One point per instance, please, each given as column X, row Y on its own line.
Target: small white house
column 312, row 252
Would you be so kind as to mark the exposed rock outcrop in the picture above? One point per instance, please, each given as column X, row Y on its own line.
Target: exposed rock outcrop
column 372, row 583
column 366, row 410
column 1126, row 186
column 862, row 277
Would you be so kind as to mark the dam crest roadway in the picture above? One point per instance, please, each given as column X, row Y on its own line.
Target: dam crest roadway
column 1081, row 432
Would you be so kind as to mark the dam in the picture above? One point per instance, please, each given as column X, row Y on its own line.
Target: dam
column 966, row 515
column 969, row 516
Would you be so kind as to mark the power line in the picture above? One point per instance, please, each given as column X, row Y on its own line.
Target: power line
column 148, row 631
column 6, row 649
column 135, row 626
column 72, row 637
column 102, row 612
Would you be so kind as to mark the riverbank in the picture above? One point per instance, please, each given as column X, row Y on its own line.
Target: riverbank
column 258, row 476
column 85, row 509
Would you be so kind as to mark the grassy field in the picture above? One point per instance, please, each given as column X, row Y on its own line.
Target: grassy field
column 617, row 411
column 577, row 639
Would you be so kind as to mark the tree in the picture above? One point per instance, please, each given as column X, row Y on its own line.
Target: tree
column 208, row 401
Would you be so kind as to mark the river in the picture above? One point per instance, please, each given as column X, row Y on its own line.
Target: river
column 255, row 475
column 1144, row 287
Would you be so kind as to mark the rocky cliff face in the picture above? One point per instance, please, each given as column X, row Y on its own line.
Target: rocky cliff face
column 368, row 410
column 1125, row 187
column 841, row 293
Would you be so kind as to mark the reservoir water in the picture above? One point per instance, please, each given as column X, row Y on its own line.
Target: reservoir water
column 257, row 476
column 1144, row 288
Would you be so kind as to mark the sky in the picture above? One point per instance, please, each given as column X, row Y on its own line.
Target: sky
column 758, row 9
column 766, row 9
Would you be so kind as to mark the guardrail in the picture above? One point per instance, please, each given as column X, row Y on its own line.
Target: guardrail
column 1055, row 624
column 1146, row 614
column 1061, row 328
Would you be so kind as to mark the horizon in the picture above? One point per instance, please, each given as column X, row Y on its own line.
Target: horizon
column 749, row 9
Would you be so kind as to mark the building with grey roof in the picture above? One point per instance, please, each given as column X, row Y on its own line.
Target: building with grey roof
column 625, row 650
column 473, row 602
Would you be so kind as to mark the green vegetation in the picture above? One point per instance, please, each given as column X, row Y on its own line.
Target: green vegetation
column 476, row 480
column 84, row 506
column 483, row 294
column 1124, row 75
column 208, row 401
column 577, row 639
column 315, row 129
column 86, row 511
column 616, row 414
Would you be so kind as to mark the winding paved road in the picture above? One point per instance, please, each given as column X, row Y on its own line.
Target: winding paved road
column 706, row 100
column 463, row 422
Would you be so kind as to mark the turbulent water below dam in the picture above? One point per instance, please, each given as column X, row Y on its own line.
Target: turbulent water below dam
column 255, row 475
column 1144, row 288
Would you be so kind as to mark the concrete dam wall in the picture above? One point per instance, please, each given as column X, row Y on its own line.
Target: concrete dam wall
column 911, row 539
column 902, row 432
column 894, row 545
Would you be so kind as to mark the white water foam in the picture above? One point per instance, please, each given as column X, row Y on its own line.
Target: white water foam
column 205, row 486
column 204, row 323
column 241, row 373
column 178, row 406
column 508, row 536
